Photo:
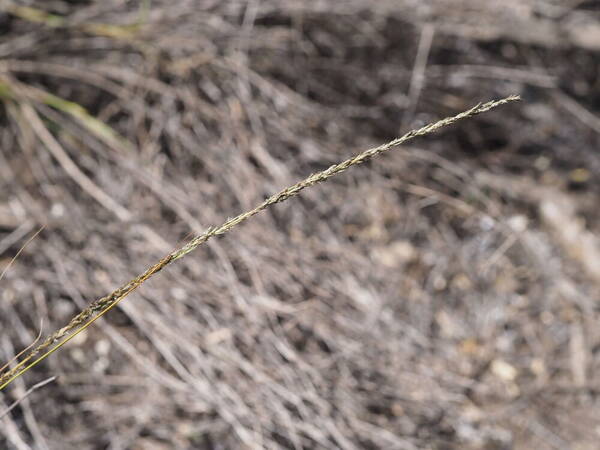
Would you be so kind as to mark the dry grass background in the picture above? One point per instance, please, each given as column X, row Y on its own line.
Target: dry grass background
column 444, row 296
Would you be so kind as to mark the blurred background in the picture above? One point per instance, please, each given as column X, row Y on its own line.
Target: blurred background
column 443, row 296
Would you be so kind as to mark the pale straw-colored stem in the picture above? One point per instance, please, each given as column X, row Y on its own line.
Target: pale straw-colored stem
column 102, row 305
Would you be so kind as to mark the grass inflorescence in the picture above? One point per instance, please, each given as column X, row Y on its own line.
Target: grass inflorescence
column 101, row 306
